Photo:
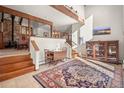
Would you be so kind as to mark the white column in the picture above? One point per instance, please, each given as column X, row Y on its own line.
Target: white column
column 37, row 60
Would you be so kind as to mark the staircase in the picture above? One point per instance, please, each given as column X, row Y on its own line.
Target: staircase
column 14, row 66
column 74, row 53
column 73, row 46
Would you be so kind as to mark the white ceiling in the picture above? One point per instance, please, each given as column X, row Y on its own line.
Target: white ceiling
column 59, row 19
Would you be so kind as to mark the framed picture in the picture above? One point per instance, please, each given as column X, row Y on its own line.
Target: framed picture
column 100, row 30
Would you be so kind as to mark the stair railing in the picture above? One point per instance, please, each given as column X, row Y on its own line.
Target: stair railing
column 34, row 50
column 71, row 43
column 69, row 51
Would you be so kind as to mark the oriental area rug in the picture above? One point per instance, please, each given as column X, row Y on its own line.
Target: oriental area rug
column 73, row 74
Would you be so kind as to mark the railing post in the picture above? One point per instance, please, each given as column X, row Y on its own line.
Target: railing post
column 37, row 60
column 51, row 30
column 69, row 50
column 35, row 54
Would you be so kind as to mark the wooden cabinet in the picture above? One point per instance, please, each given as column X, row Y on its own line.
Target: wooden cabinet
column 59, row 55
column 55, row 55
column 106, row 51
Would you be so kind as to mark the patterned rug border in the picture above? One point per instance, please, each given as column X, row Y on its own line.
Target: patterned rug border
column 43, row 84
column 39, row 81
column 34, row 76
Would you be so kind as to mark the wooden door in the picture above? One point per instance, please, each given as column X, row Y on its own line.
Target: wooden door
column 1, row 40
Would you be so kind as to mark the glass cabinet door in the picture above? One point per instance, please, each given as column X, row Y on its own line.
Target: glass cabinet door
column 112, row 52
column 100, row 51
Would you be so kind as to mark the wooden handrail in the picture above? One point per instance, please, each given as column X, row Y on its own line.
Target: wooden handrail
column 74, row 43
column 71, row 42
column 68, row 44
column 36, row 48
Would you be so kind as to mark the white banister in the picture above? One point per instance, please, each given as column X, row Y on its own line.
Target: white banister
column 37, row 60
column 34, row 50
column 69, row 50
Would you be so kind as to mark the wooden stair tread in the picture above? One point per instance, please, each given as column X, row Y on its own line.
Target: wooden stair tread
column 15, row 66
column 14, row 62
column 74, row 53
column 14, row 59
column 15, row 70
column 16, row 73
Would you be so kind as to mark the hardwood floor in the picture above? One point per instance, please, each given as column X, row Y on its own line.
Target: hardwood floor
column 12, row 52
column 24, row 81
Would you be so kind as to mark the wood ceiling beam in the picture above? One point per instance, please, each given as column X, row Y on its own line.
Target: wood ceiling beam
column 20, row 21
column 67, row 12
column 24, row 15
column 2, row 19
column 13, row 25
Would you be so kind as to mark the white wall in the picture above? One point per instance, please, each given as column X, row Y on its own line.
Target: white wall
column 80, row 10
column 123, row 19
column 86, row 31
column 47, row 43
column 75, row 37
column 87, row 34
column 108, row 16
